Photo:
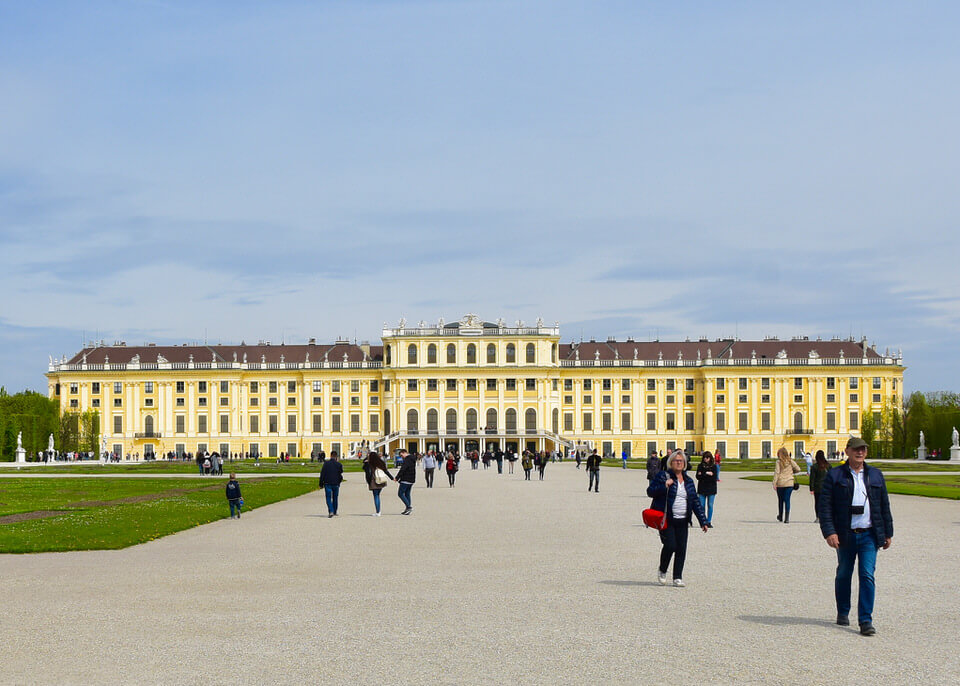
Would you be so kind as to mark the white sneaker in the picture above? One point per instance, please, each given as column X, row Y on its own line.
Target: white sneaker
column 678, row 583
column 662, row 577
column 376, row 514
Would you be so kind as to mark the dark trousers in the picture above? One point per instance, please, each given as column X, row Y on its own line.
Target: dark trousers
column 333, row 497
column 526, row 475
column 674, row 539
column 816, row 504
column 541, row 468
column 594, row 479
column 500, row 466
column 428, row 475
column 451, row 477
column 404, row 494
column 783, row 500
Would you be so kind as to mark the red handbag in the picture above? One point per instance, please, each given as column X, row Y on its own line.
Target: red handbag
column 654, row 519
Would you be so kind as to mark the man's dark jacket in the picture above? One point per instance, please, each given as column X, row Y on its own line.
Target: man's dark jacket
column 331, row 473
column 593, row 463
column 408, row 470
column 836, row 496
column 653, row 467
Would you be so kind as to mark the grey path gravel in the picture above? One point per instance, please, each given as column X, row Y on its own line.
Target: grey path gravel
column 498, row 581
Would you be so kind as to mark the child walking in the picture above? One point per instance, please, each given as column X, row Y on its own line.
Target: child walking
column 233, row 495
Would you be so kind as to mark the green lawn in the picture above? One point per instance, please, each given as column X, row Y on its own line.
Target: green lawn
column 106, row 514
column 164, row 467
column 930, row 486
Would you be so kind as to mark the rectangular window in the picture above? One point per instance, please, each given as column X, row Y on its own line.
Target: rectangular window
column 798, row 398
column 531, row 384
column 606, row 399
column 765, row 384
column 74, row 403
column 671, row 384
column 742, row 421
column 798, row 383
column 688, row 384
column 224, row 401
column 118, row 424
column 355, row 386
column 721, row 399
column 273, row 424
column 291, row 423
column 335, row 386
column 95, row 387
column 625, row 384
column 117, row 387
column 744, row 450
column 181, row 402
column 148, row 402
column 625, row 400
column 831, row 383
column 721, row 384
column 386, row 385
column 224, row 423
column 587, row 399
column 224, row 386
column 354, row 401
column 742, row 398
column 568, row 384
column 854, row 397
column 606, row 421
column 876, row 383
column 764, row 421
column 671, row 399
column 317, row 423
column 651, row 421
column 254, row 424
column 651, row 400
column 375, row 423
column 831, row 421
column 831, row 449
column 765, row 398
column 202, row 386
column 854, row 382
column 651, row 447
column 587, row 384
column 671, row 421
column 651, row 384
column 291, row 387
column 742, row 383
column 625, row 421
column 721, row 448
column 451, row 384
column 375, row 386
column 568, row 421
column 854, row 421
column 317, row 386
column 317, row 400
column 96, row 402
column 180, row 386
column 273, row 450
column 491, row 384
column 335, row 423
column 568, row 400
column 831, row 398
column 202, row 424
column 411, row 384
column 721, row 421
column 471, row 384
column 355, row 423
column 587, row 421
column 202, row 402
column 607, row 449
column 608, row 384
column 688, row 421
column 766, row 450
column 292, row 449
column 374, row 400
column 148, row 387
column 512, row 385
column 431, row 384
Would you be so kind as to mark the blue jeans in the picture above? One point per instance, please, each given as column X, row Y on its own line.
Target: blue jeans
column 706, row 502
column 404, row 493
column 333, row 494
column 783, row 500
column 376, row 498
column 864, row 546
column 234, row 506
column 624, row 463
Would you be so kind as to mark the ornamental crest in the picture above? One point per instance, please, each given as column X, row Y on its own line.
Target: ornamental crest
column 471, row 321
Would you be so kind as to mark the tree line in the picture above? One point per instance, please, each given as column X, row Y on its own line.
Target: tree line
column 36, row 416
column 895, row 434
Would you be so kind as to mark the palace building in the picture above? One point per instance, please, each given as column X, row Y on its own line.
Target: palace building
column 473, row 384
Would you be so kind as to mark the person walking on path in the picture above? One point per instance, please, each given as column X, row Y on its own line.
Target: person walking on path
column 653, row 466
column 511, row 459
column 855, row 520
column 331, row 476
column 578, row 458
column 593, row 469
column 406, row 476
column 707, row 485
column 373, row 464
column 451, row 469
column 674, row 494
column 234, row 499
column 817, row 474
column 783, row 482
column 498, row 456
column 527, row 464
column 623, row 456
column 429, row 465
column 542, row 464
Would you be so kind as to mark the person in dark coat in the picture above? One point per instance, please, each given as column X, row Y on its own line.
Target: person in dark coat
column 855, row 520
column 707, row 485
column 331, row 476
column 371, row 463
column 406, row 476
column 674, row 494
column 653, row 466
column 233, row 496
column 593, row 470
column 817, row 474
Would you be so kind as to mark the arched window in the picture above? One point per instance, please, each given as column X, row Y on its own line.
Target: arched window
column 389, row 348
column 431, row 354
column 451, row 421
column 556, row 421
column 510, row 421
column 553, row 353
column 411, row 420
column 530, row 419
column 433, row 421
column 472, row 420
column 511, row 352
column 491, row 420
column 451, row 353
column 491, row 354
column 411, row 354
column 471, row 354
column 386, row 421
column 148, row 424
column 531, row 353
column 798, row 421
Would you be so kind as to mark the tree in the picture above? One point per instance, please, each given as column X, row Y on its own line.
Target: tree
column 34, row 415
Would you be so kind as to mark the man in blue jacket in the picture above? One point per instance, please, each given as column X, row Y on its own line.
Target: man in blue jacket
column 855, row 520
column 331, row 475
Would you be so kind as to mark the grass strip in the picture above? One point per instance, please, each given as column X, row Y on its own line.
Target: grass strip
column 929, row 486
column 108, row 514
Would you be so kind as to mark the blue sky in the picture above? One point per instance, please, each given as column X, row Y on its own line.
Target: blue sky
column 237, row 170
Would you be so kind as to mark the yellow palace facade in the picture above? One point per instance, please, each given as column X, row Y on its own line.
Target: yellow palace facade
column 474, row 384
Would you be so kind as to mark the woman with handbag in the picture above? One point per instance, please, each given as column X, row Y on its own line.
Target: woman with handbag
column 707, row 485
column 784, row 483
column 674, row 494
column 377, row 475
column 817, row 474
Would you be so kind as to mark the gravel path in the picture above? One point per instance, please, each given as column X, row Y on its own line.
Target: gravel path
column 498, row 581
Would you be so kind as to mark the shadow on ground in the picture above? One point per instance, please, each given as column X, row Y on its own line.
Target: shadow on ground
column 770, row 620
column 613, row 582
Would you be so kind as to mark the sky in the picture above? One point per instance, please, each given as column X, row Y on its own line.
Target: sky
column 179, row 171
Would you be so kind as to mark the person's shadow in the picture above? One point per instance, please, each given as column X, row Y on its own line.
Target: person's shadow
column 615, row 582
column 770, row 620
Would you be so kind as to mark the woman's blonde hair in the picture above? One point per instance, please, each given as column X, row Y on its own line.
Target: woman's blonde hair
column 783, row 453
column 233, row 475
